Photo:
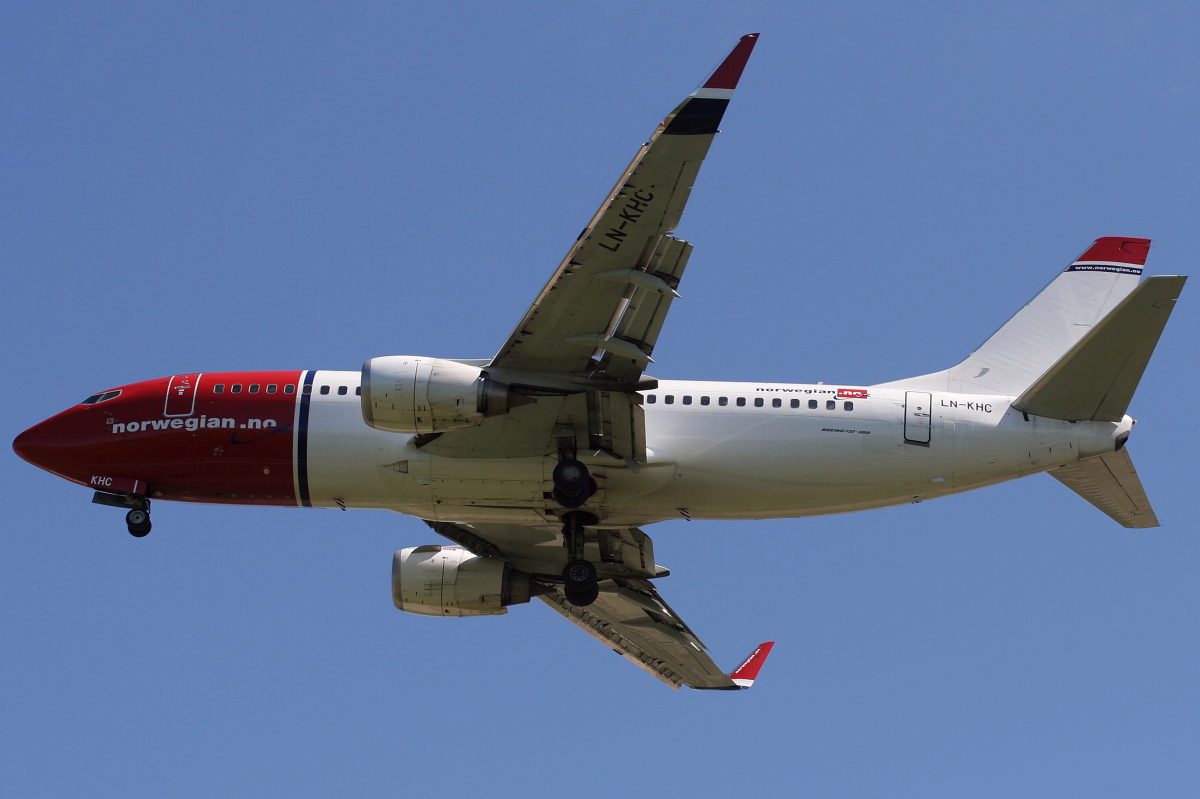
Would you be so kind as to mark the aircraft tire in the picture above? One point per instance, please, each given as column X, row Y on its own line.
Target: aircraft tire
column 567, row 501
column 581, row 599
column 579, row 576
column 138, row 522
column 571, row 477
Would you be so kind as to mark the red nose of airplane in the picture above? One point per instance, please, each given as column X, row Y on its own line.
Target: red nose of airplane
column 50, row 446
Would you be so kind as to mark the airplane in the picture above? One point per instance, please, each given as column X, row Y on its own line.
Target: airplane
column 542, row 464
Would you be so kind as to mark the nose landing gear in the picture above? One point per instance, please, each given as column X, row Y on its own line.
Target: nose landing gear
column 137, row 520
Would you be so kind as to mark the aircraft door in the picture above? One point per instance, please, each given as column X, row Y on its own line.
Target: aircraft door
column 181, row 395
column 918, row 416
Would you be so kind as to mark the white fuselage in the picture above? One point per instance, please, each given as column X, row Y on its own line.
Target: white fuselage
column 715, row 451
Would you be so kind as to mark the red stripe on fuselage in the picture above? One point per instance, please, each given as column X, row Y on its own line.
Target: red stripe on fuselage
column 234, row 446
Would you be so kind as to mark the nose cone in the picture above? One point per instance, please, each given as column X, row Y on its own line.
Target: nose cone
column 55, row 445
column 35, row 444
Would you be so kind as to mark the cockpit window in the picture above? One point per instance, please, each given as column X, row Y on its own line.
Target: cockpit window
column 103, row 396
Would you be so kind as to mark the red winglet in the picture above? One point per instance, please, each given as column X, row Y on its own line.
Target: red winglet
column 1117, row 250
column 730, row 71
column 745, row 674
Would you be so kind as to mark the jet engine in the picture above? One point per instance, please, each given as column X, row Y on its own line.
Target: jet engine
column 406, row 394
column 449, row 581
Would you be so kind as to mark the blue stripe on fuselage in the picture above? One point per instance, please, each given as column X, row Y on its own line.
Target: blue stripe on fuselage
column 302, row 439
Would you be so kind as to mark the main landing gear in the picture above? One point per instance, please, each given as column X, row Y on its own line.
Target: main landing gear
column 572, row 483
column 580, row 581
column 573, row 486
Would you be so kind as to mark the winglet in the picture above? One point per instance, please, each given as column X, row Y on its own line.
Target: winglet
column 727, row 75
column 744, row 675
column 700, row 113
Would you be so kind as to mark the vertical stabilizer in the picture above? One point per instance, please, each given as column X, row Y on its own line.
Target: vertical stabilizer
column 1097, row 377
column 1049, row 325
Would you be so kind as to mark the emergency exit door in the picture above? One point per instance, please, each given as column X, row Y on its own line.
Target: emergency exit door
column 181, row 395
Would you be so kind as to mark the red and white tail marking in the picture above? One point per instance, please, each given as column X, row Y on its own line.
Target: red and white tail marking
column 1116, row 250
column 744, row 675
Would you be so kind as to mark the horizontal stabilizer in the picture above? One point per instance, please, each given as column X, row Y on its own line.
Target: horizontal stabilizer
column 1097, row 377
column 1111, row 484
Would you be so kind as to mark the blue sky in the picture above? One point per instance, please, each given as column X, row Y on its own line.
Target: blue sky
column 200, row 186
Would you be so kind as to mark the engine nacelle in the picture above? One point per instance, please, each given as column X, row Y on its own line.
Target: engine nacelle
column 449, row 581
column 407, row 394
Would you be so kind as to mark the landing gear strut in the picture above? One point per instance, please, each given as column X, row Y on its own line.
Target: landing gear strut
column 580, row 582
column 138, row 517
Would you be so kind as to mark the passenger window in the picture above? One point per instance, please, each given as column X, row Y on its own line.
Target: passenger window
column 289, row 389
column 358, row 391
column 741, row 401
column 308, row 389
column 723, row 401
column 219, row 388
column 652, row 398
column 341, row 391
column 687, row 399
column 324, row 389
column 777, row 403
column 272, row 388
column 812, row 404
column 830, row 405
column 236, row 388
column 795, row 403
column 254, row 388
column 758, row 403
column 669, row 399
column 849, row 406
column 704, row 400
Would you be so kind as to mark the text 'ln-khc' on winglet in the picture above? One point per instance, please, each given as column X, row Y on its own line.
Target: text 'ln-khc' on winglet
column 744, row 675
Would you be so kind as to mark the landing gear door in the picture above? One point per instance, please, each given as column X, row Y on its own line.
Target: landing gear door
column 918, row 416
column 181, row 395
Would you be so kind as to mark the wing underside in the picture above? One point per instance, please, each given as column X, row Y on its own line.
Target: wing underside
column 602, row 310
column 629, row 616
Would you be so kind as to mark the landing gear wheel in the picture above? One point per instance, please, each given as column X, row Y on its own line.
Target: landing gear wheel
column 579, row 576
column 581, row 599
column 572, row 484
column 138, row 522
column 571, row 477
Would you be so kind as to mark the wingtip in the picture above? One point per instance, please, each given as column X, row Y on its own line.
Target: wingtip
column 727, row 75
column 745, row 674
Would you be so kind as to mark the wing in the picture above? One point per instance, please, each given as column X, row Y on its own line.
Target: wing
column 580, row 352
column 600, row 315
column 629, row 616
column 583, row 344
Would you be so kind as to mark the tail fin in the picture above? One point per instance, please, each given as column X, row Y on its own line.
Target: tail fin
column 1111, row 484
column 1097, row 377
column 1049, row 325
